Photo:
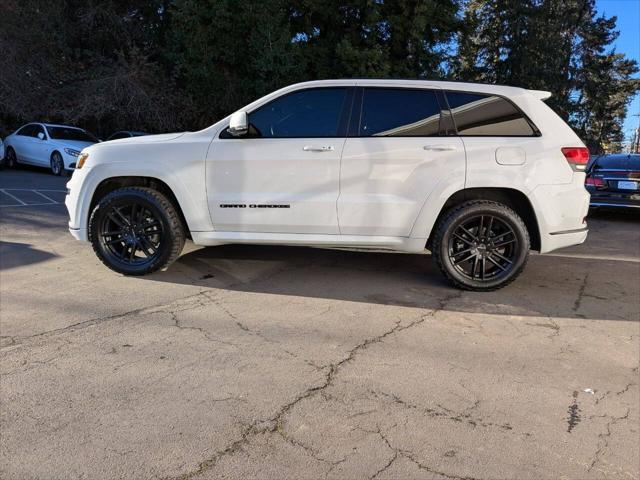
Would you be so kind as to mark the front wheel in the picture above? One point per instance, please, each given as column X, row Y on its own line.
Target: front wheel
column 57, row 164
column 481, row 245
column 136, row 231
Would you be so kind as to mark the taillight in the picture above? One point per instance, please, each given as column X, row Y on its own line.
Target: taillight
column 578, row 157
column 594, row 182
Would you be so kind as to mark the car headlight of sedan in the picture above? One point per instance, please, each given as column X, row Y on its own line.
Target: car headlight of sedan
column 82, row 158
column 72, row 152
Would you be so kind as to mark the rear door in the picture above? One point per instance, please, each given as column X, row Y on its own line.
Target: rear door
column 283, row 177
column 21, row 142
column 397, row 152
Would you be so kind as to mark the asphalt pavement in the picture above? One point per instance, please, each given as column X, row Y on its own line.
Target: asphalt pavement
column 280, row 362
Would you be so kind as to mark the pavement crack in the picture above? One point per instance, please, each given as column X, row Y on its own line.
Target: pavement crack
column 581, row 290
column 603, row 439
column 276, row 423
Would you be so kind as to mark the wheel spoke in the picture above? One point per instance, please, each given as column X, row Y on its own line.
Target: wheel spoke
column 473, row 237
column 460, row 237
column 489, row 228
column 112, row 233
column 475, row 266
column 114, row 241
column 115, row 220
column 496, row 264
column 480, row 233
column 148, row 249
column 124, row 219
column 483, row 268
column 465, row 259
column 502, row 244
column 501, row 257
column 462, row 251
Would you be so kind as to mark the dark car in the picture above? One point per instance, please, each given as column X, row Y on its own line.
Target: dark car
column 126, row 134
column 614, row 180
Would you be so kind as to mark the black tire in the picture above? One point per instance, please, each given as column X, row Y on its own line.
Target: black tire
column 140, row 220
column 57, row 163
column 10, row 159
column 481, row 245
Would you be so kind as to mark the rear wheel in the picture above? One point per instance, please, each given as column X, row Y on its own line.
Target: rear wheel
column 57, row 164
column 10, row 158
column 481, row 245
column 136, row 231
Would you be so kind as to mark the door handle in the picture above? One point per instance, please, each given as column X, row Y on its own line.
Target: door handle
column 324, row 148
column 439, row 148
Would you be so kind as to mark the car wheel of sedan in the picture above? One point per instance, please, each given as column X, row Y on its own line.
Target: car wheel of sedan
column 481, row 245
column 10, row 158
column 135, row 231
column 57, row 164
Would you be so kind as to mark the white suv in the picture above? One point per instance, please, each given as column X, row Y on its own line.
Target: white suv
column 478, row 174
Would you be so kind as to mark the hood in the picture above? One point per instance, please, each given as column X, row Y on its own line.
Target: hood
column 146, row 139
column 75, row 144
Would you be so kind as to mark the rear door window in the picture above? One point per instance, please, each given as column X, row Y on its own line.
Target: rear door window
column 398, row 112
column 483, row 115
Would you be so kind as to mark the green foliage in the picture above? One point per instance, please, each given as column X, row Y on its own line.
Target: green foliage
column 560, row 46
column 161, row 65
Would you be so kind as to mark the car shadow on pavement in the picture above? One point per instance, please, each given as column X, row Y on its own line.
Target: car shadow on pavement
column 550, row 286
column 14, row 255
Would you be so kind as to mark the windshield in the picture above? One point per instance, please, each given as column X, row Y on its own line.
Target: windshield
column 68, row 133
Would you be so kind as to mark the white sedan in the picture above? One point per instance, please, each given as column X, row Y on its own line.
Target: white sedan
column 45, row 145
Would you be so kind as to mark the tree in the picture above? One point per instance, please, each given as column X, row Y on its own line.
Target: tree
column 560, row 46
column 228, row 53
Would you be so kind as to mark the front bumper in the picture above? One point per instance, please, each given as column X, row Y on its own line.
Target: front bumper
column 79, row 234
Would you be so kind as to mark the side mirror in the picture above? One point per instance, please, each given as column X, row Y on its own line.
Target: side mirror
column 41, row 136
column 239, row 124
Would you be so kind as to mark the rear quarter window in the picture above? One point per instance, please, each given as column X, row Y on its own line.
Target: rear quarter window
column 484, row 115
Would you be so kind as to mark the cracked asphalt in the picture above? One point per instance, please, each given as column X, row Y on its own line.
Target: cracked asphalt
column 246, row 362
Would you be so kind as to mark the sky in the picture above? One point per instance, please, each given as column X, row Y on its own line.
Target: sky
column 628, row 13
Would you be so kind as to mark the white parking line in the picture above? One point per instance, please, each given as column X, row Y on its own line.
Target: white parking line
column 32, row 190
column 44, row 196
column 15, row 198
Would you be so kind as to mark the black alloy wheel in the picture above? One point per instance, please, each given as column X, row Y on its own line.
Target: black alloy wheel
column 136, row 231
column 481, row 245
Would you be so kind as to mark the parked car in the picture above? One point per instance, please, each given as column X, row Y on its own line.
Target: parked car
column 47, row 145
column 126, row 134
column 1, row 153
column 478, row 174
column 614, row 180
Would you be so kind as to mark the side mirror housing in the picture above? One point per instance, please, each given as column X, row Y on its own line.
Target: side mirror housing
column 41, row 136
column 239, row 124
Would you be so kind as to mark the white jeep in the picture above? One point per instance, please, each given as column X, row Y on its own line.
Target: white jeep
column 477, row 174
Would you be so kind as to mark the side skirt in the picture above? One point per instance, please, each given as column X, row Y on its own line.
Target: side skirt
column 402, row 244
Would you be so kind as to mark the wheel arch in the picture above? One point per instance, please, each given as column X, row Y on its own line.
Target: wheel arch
column 110, row 184
column 514, row 199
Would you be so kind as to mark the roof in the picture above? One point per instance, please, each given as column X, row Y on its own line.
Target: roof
column 448, row 85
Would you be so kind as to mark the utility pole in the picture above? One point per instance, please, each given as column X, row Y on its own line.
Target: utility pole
column 634, row 147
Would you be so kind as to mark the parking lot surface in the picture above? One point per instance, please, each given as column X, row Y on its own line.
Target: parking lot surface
column 280, row 362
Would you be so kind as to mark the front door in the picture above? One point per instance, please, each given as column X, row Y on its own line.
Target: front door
column 396, row 155
column 284, row 175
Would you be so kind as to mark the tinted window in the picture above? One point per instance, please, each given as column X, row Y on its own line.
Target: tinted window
column 36, row 130
column 26, row 131
column 399, row 112
column 307, row 113
column 68, row 133
column 487, row 115
column 617, row 162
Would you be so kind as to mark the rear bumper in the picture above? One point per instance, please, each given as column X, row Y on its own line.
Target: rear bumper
column 561, row 211
column 614, row 199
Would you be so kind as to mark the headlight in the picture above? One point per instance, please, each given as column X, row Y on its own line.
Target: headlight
column 72, row 152
column 81, row 159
